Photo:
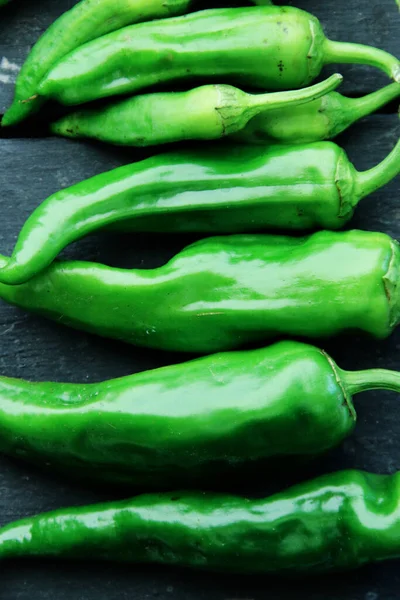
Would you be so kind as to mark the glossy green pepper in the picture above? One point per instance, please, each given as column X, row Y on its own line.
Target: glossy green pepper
column 338, row 521
column 188, row 423
column 204, row 113
column 223, row 292
column 321, row 119
column 211, row 190
column 269, row 47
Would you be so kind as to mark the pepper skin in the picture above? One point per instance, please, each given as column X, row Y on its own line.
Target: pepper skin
column 238, row 189
column 272, row 48
column 321, row 119
column 204, row 113
column 188, row 423
column 338, row 521
column 220, row 293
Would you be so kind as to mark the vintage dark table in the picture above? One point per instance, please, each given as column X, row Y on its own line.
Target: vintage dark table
column 32, row 166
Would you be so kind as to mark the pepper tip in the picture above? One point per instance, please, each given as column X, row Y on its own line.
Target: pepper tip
column 5, row 121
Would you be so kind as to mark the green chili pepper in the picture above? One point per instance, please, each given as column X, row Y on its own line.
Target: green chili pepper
column 222, row 292
column 185, row 423
column 268, row 47
column 321, row 119
column 338, row 521
column 205, row 113
column 231, row 190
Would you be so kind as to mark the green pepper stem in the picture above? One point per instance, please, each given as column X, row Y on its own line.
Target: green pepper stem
column 366, row 105
column 345, row 52
column 259, row 102
column 370, row 379
column 367, row 182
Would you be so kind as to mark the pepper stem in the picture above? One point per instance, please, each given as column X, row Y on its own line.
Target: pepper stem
column 257, row 103
column 371, row 379
column 366, row 105
column 345, row 52
column 367, row 182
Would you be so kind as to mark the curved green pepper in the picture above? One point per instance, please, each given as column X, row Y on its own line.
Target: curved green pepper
column 231, row 190
column 187, row 423
column 270, row 47
column 337, row 521
column 321, row 119
column 222, row 292
column 205, row 113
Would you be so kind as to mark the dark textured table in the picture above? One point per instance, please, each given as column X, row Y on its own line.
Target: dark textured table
column 33, row 166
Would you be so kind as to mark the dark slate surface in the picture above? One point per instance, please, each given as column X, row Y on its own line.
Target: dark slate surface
column 30, row 347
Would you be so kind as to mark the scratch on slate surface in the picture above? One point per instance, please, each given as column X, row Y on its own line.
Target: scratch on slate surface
column 8, row 71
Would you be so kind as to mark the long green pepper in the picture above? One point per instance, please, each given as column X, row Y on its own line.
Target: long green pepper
column 215, row 190
column 204, row 113
column 272, row 48
column 188, row 423
column 223, row 292
column 338, row 521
